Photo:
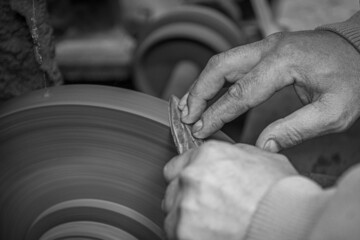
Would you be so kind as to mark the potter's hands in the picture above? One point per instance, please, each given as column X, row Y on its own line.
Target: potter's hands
column 323, row 67
column 214, row 190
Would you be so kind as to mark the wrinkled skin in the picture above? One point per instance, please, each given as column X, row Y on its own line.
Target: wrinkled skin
column 214, row 190
column 322, row 66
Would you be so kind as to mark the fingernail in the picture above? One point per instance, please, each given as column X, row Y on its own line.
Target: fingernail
column 272, row 146
column 185, row 112
column 197, row 126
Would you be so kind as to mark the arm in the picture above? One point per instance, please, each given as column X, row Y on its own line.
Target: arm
column 224, row 191
column 349, row 29
column 297, row 208
column 323, row 66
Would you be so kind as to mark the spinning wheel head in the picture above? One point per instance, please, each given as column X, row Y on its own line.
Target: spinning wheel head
column 83, row 162
column 176, row 46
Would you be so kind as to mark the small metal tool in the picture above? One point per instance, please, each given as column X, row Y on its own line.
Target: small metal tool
column 183, row 138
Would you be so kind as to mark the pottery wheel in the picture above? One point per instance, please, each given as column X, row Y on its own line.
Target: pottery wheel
column 83, row 162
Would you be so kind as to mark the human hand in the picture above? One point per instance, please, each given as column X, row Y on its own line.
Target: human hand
column 214, row 190
column 323, row 68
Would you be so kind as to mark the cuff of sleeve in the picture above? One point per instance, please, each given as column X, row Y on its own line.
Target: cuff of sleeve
column 349, row 29
column 288, row 210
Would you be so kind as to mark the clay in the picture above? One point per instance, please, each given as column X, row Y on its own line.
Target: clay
column 20, row 72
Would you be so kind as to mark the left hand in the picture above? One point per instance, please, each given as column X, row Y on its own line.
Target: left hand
column 214, row 190
column 323, row 67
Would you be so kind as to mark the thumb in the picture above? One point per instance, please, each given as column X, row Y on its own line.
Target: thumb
column 314, row 119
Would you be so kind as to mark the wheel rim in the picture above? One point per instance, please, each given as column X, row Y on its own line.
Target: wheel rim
column 187, row 33
column 83, row 157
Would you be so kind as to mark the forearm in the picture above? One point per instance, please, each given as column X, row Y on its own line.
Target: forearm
column 289, row 210
column 297, row 208
column 349, row 29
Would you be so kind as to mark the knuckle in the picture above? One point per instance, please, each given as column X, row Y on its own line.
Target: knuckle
column 189, row 176
column 293, row 137
column 213, row 118
column 339, row 122
column 287, row 49
column 289, row 135
column 210, row 112
column 236, row 91
column 215, row 60
column 193, row 93
column 283, row 47
column 186, row 205
column 238, row 98
column 170, row 190
column 275, row 37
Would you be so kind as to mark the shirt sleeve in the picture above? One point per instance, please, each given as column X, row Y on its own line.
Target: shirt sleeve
column 297, row 208
column 349, row 29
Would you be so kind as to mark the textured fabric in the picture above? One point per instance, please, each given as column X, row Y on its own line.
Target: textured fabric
column 349, row 29
column 341, row 216
column 19, row 70
column 289, row 210
column 297, row 208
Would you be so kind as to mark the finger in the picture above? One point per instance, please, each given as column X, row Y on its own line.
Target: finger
column 170, row 195
column 312, row 120
column 254, row 88
column 176, row 165
column 183, row 101
column 172, row 219
column 170, row 224
column 228, row 66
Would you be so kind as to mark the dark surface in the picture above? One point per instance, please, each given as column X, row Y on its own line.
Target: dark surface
column 19, row 71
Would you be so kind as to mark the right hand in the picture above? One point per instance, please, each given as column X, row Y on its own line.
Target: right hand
column 214, row 190
column 323, row 67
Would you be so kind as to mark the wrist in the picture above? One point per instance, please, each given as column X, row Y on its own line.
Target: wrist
column 288, row 210
column 349, row 29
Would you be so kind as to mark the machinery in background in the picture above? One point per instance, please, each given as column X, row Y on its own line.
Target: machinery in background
column 96, row 40
column 175, row 46
column 160, row 53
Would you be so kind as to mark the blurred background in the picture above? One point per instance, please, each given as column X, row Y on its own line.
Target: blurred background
column 159, row 47
column 86, row 162
column 105, row 41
